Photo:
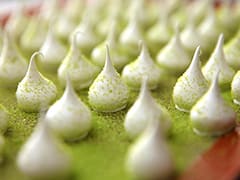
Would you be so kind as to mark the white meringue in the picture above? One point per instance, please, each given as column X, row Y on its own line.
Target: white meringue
column 160, row 33
column 4, row 118
column 130, row 37
column 12, row 65
column 108, row 93
column 191, row 38
column 119, row 60
column 144, row 110
column 174, row 57
column 217, row 62
column 209, row 30
column 197, row 9
column 64, row 27
column 69, row 117
column 53, row 51
column 232, row 52
column 149, row 157
column 81, row 71
column 211, row 115
column 74, row 8
column 87, row 40
column 34, row 35
column 42, row 156
column 143, row 66
column 17, row 22
column 35, row 91
column 235, row 88
column 190, row 86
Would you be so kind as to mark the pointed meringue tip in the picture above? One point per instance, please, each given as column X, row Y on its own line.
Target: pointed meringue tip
column 108, row 63
column 142, row 46
column 108, row 60
column 33, row 57
column 74, row 38
column 220, row 44
column 32, row 68
column 220, row 41
column 69, row 87
column 197, row 52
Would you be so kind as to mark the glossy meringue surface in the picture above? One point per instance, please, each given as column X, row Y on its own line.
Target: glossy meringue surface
column 69, row 117
column 149, row 157
column 211, row 115
column 42, row 156
column 144, row 110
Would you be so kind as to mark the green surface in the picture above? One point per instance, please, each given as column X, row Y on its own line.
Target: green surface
column 101, row 156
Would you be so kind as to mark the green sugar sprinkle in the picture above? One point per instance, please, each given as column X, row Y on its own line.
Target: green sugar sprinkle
column 102, row 154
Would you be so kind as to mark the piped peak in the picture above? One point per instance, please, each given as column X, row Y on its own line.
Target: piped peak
column 144, row 92
column 219, row 47
column 32, row 72
column 69, row 93
column 176, row 37
column 108, row 67
column 144, row 55
column 214, row 88
column 74, row 40
column 195, row 64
